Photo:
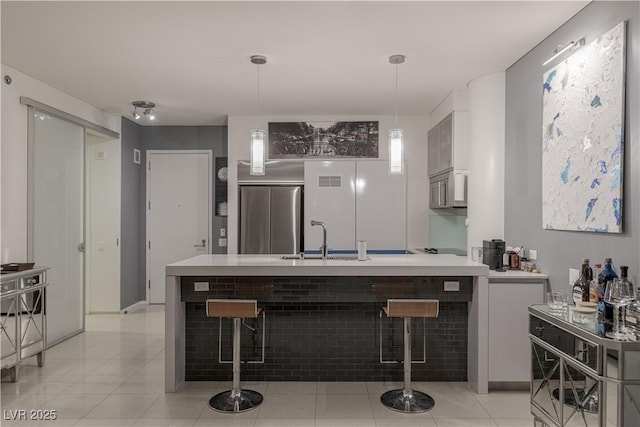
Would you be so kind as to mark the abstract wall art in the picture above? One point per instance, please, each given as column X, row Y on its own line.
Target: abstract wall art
column 583, row 136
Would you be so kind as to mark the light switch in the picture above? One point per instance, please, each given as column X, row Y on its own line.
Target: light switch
column 222, row 242
column 574, row 275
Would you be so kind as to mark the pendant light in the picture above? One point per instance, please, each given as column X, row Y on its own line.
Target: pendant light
column 258, row 136
column 396, row 140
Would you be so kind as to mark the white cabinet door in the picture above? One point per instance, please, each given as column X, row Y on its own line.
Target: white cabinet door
column 432, row 151
column 509, row 347
column 381, row 213
column 448, row 144
column 329, row 196
column 445, row 143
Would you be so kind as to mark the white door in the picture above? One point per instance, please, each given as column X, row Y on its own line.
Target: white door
column 179, row 191
column 58, row 220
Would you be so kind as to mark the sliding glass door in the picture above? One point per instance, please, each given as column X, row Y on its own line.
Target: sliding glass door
column 57, row 212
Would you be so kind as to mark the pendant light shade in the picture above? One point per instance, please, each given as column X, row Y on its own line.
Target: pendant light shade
column 396, row 152
column 396, row 138
column 257, row 152
column 258, row 137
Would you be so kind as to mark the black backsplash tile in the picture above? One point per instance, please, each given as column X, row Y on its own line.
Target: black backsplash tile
column 327, row 329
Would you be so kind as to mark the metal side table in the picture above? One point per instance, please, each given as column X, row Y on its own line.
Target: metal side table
column 23, row 324
column 597, row 377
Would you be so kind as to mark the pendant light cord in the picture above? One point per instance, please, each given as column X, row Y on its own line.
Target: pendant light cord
column 258, row 97
column 396, row 94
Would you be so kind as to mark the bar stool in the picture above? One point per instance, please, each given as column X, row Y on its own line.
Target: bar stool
column 235, row 400
column 407, row 400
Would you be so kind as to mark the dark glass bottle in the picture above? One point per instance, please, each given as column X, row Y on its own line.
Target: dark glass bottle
column 586, row 278
column 624, row 277
column 605, row 310
column 581, row 286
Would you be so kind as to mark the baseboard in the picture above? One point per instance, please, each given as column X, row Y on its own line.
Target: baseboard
column 509, row 385
column 133, row 307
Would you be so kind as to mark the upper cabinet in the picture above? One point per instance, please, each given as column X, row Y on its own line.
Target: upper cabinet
column 447, row 147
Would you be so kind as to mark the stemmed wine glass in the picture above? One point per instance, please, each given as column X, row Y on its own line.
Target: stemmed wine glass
column 619, row 294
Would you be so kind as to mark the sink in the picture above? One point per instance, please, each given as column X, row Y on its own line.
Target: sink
column 342, row 257
column 291, row 257
column 346, row 257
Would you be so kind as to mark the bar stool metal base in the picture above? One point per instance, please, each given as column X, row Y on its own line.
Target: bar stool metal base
column 407, row 401
column 230, row 401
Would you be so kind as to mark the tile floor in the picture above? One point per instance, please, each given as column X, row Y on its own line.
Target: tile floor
column 113, row 375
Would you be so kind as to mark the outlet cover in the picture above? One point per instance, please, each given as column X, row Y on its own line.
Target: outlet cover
column 200, row 286
column 574, row 275
column 451, row 286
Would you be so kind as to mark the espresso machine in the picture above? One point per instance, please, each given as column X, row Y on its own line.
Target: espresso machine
column 492, row 253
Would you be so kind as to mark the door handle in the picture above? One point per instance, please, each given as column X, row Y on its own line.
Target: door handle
column 81, row 247
column 202, row 245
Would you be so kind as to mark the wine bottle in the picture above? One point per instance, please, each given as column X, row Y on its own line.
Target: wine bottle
column 586, row 278
column 605, row 310
column 578, row 285
column 593, row 288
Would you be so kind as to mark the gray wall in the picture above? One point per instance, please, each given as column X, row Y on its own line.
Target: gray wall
column 559, row 250
column 133, row 269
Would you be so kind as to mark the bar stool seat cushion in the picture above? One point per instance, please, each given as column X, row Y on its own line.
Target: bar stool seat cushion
column 412, row 308
column 232, row 308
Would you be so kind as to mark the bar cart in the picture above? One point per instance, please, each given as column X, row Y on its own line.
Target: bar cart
column 578, row 376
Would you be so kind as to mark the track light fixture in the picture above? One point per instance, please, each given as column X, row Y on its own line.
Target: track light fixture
column 146, row 107
column 562, row 48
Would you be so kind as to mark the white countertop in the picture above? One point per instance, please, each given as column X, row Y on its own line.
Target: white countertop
column 515, row 275
column 378, row 265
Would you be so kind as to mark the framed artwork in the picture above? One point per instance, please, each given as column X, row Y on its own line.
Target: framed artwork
column 583, row 137
column 288, row 140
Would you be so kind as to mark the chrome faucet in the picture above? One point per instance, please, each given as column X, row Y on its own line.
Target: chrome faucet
column 323, row 248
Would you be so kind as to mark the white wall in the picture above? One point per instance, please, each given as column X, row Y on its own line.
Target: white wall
column 456, row 100
column 415, row 135
column 14, row 151
column 486, row 159
column 102, row 215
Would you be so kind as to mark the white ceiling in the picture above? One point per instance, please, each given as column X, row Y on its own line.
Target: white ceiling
column 324, row 58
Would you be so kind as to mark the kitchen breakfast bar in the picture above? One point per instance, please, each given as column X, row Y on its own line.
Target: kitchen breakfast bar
column 322, row 320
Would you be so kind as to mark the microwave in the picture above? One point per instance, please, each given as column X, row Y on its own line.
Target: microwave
column 448, row 190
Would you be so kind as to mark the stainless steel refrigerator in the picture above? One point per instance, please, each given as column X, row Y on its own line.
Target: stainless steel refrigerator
column 270, row 219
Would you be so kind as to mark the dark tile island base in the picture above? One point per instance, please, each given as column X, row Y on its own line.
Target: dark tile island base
column 322, row 318
column 327, row 329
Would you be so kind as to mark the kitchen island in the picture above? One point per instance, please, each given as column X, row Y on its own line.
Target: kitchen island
column 322, row 317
